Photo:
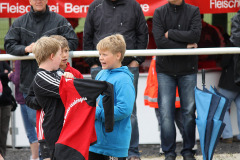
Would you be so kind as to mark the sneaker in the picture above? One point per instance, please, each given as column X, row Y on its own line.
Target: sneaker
column 134, row 158
column 189, row 157
column 161, row 151
column 170, row 157
column 33, row 159
column 113, row 158
column 227, row 140
column 235, row 139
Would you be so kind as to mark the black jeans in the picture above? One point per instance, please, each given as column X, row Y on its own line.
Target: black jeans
column 5, row 112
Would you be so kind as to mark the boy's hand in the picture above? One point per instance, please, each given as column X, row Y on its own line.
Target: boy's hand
column 133, row 64
column 28, row 49
column 9, row 74
column 193, row 45
column 68, row 75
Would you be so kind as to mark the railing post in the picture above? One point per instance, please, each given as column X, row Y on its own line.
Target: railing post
column 13, row 125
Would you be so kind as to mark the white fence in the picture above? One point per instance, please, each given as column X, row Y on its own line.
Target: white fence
column 148, row 128
column 146, row 52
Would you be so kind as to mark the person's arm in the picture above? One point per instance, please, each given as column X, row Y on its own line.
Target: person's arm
column 12, row 41
column 88, row 34
column 46, row 84
column 12, row 78
column 235, row 31
column 68, row 32
column 190, row 36
column 124, row 103
column 159, row 34
column 141, row 33
column 226, row 60
column 6, row 70
column 7, row 67
column 31, row 100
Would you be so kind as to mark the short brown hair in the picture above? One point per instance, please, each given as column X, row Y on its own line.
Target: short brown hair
column 114, row 43
column 62, row 40
column 44, row 47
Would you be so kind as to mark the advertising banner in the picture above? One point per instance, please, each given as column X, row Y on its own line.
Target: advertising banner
column 79, row 8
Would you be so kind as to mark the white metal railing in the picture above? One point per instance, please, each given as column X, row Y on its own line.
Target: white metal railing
column 145, row 52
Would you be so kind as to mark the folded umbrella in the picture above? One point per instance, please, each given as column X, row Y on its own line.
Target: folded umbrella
column 209, row 127
column 224, row 101
column 218, row 125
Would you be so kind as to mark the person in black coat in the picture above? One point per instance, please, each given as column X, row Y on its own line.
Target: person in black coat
column 5, row 105
column 227, row 86
column 230, row 90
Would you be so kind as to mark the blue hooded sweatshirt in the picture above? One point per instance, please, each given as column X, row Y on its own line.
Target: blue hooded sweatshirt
column 115, row 143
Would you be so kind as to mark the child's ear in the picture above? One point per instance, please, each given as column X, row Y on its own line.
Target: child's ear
column 119, row 55
column 51, row 56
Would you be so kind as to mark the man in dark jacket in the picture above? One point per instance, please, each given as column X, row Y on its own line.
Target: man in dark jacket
column 177, row 25
column 26, row 30
column 107, row 17
column 29, row 28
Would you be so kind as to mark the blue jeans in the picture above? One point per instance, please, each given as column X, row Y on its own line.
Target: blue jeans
column 178, row 119
column 232, row 96
column 29, row 121
column 166, row 101
column 133, row 148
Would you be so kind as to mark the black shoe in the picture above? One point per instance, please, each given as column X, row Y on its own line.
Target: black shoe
column 189, row 157
column 170, row 157
column 235, row 139
column 227, row 140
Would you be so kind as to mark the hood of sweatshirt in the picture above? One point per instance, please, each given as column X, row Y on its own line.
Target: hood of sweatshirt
column 106, row 72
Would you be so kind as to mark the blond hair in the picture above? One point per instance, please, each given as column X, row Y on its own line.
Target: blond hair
column 44, row 47
column 114, row 43
column 62, row 40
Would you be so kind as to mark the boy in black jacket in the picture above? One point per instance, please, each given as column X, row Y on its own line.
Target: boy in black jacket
column 47, row 51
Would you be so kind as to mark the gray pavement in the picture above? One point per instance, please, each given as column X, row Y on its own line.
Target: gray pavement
column 151, row 152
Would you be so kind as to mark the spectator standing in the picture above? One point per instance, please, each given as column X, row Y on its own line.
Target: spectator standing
column 5, row 106
column 178, row 118
column 177, row 25
column 107, row 17
column 27, row 29
column 227, row 87
column 28, row 114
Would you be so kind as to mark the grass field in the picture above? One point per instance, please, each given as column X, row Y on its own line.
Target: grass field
column 4, row 26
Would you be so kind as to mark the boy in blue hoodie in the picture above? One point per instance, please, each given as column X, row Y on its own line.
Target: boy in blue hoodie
column 114, row 145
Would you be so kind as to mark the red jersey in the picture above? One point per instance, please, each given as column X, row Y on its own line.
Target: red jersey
column 40, row 113
column 78, row 132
